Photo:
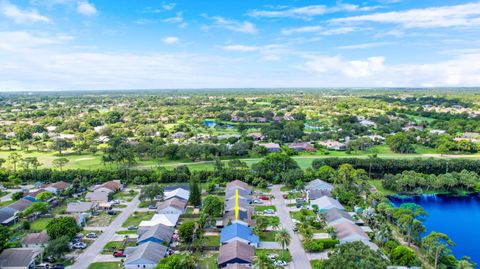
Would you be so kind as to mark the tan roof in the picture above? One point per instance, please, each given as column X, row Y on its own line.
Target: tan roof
column 112, row 185
column 238, row 184
column 236, row 250
column 61, row 185
column 347, row 229
column 36, row 238
column 173, row 202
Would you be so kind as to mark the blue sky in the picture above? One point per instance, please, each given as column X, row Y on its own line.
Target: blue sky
column 147, row 44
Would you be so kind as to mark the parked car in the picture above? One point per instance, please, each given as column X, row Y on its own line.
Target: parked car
column 264, row 198
column 118, row 253
column 132, row 227
column 91, row 235
column 268, row 211
column 42, row 266
column 115, row 202
column 272, row 256
column 257, row 201
column 111, row 212
column 57, row 266
column 281, row 263
column 79, row 245
column 152, row 207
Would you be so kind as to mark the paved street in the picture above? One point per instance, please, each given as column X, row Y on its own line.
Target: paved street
column 299, row 256
column 90, row 254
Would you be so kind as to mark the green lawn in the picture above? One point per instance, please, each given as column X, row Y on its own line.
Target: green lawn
column 127, row 232
column 267, row 236
column 378, row 185
column 207, row 260
column 283, row 255
column 261, row 208
column 124, row 195
column 105, row 265
column 40, row 224
column 138, row 217
column 102, row 220
column 5, row 203
column 297, row 214
column 112, row 246
column 211, row 240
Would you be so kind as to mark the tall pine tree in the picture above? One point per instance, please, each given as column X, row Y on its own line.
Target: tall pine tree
column 195, row 193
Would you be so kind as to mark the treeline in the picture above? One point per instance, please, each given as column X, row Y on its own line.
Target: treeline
column 411, row 182
column 377, row 167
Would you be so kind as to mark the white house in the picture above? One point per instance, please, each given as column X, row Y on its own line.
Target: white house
column 172, row 206
column 326, row 203
column 170, row 220
column 179, row 193
column 144, row 256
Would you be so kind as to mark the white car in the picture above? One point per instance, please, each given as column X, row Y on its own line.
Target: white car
column 281, row 263
column 268, row 211
column 79, row 245
column 272, row 256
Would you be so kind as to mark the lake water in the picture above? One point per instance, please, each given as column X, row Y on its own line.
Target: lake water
column 458, row 217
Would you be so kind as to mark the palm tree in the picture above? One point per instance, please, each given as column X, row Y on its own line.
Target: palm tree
column 283, row 238
column 263, row 262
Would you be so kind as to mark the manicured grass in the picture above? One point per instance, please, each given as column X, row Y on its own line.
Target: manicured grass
column 298, row 214
column 138, row 217
column 211, row 240
column 112, row 246
column 40, row 224
column 261, row 208
column 127, row 232
column 378, row 185
column 316, row 264
column 105, row 265
column 5, row 203
column 102, row 220
column 267, row 236
column 124, row 195
column 283, row 255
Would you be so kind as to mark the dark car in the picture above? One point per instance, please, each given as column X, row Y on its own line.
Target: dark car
column 57, row 266
column 111, row 212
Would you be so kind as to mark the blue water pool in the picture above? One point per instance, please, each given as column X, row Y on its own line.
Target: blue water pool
column 458, row 217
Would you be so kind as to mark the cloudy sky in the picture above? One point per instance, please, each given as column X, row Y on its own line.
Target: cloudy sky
column 150, row 44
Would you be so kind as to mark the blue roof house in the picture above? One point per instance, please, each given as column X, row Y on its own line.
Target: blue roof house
column 238, row 232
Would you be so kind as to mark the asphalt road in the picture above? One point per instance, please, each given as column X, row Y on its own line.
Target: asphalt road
column 299, row 256
column 90, row 254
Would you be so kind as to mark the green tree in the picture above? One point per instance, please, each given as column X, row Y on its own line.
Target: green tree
column 436, row 246
column 186, row 231
column 212, row 205
column 61, row 145
column 60, row 162
column 177, row 261
column 17, row 196
column 58, row 247
column 36, row 208
column 5, row 234
column 354, row 255
column 30, row 162
column 262, row 261
column 44, row 196
column 14, row 158
column 283, row 238
column 400, row 143
column 62, row 226
column 195, row 193
column 404, row 256
column 466, row 263
column 406, row 215
column 151, row 191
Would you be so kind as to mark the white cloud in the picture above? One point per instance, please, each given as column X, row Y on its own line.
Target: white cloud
column 307, row 12
column 21, row 16
column 240, row 48
column 168, row 6
column 364, row 45
column 170, row 40
column 87, row 9
column 463, row 70
column 319, row 30
column 178, row 19
column 233, row 25
column 465, row 15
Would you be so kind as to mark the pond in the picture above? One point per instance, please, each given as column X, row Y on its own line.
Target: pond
column 212, row 123
column 458, row 217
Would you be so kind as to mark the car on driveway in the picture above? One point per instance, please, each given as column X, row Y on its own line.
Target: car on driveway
column 57, row 266
column 152, row 207
column 269, row 211
column 280, row 263
column 132, row 227
column 112, row 212
column 118, row 253
column 79, row 245
column 91, row 235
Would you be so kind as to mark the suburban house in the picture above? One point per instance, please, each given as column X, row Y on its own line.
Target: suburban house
column 244, row 218
column 7, row 215
column 238, row 232
column 335, row 145
column 19, row 258
column 170, row 220
column 21, row 204
column 56, row 187
column 301, row 147
column 335, row 216
column 238, row 184
column 315, row 194
column 159, row 233
column 235, row 253
column 172, row 206
column 243, row 205
column 35, row 240
column 146, row 256
column 349, row 232
column 318, row 184
column 242, row 195
column 326, row 203
column 80, row 207
column 272, row 147
column 179, row 193
column 109, row 186
column 97, row 196
column 237, row 266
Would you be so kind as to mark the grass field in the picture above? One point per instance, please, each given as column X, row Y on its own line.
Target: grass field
column 138, row 217
column 283, row 255
column 259, row 208
column 378, row 185
column 40, row 224
column 105, row 265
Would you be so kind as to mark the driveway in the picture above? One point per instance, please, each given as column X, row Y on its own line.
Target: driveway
column 91, row 253
column 299, row 256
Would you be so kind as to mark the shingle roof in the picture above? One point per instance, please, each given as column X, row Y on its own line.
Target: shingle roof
column 347, row 229
column 79, row 207
column 230, row 205
column 318, row 184
column 238, row 184
column 148, row 252
column 179, row 193
column 315, row 194
column 6, row 213
column 159, row 231
column 174, row 202
column 230, row 194
column 326, row 202
column 97, row 196
column 21, row 204
column 246, row 217
column 236, row 250
column 36, row 238
column 17, row 257
column 335, row 214
column 238, row 230
column 165, row 219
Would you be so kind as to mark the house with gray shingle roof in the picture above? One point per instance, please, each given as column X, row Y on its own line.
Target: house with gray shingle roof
column 235, row 253
column 19, row 258
column 145, row 256
column 159, row 233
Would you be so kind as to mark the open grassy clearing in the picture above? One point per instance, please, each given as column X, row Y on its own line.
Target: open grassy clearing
column 138, row 217
column 40, row 224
